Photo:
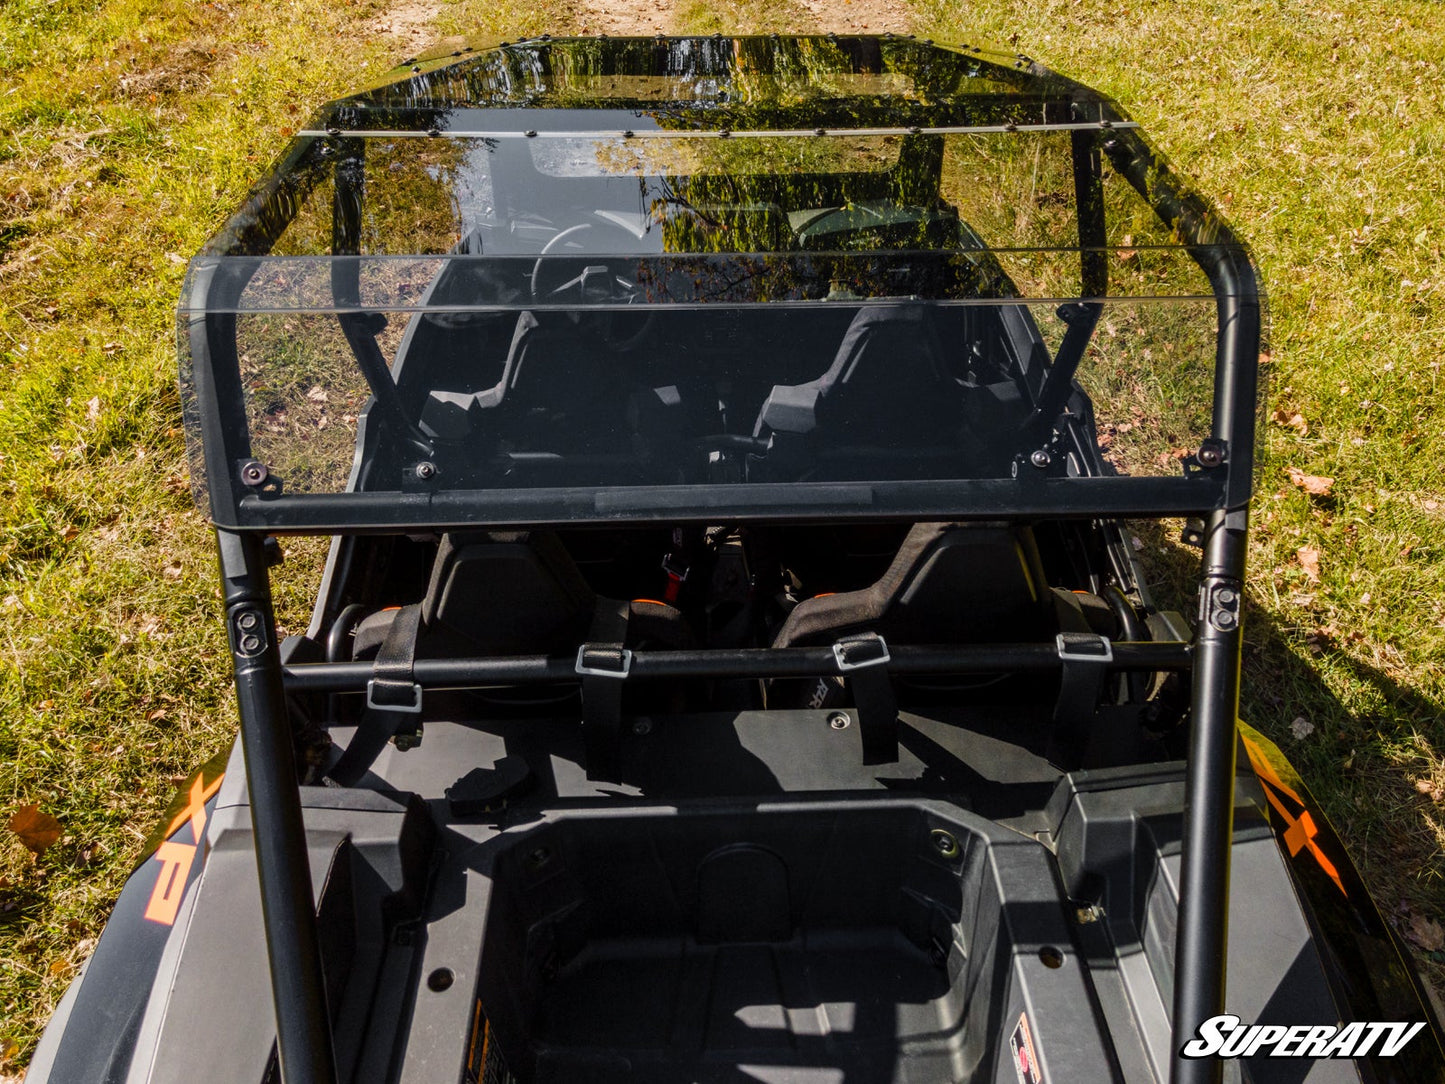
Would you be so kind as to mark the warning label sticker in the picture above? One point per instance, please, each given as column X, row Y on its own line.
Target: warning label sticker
column 1021, row 1045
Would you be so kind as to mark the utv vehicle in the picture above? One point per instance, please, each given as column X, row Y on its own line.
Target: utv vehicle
column 735, row 660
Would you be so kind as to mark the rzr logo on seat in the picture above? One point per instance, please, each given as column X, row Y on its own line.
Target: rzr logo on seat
column 1223, row 1037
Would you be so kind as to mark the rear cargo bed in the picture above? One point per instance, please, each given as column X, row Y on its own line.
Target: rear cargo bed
column 810, row 942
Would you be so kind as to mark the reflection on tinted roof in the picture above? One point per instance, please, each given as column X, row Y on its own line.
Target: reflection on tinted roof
column 840, row 270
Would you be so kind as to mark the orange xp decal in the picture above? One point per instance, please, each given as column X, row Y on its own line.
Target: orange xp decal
column 177, row 857
column 1300, row 828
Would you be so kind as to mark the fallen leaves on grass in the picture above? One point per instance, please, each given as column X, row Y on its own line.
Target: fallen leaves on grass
column 1430, row 789
column 1424, row 931
column 1309, row 560
column 1316, row 485
column 1293, row 419
column 1301, row 728
column 35, row 829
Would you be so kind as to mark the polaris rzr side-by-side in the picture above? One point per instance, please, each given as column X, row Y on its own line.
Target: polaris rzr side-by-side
column 734, row 661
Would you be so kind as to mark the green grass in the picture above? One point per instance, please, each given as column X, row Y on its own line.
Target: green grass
column 1317, row 129
column 130, row 128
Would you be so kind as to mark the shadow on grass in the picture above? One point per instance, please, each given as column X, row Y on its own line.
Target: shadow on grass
column 1369, row 739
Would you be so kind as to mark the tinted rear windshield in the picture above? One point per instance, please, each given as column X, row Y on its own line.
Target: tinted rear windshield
column 612, row 299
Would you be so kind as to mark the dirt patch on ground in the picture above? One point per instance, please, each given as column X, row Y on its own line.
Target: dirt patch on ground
column 409, row 24
column 861, row 16
column 644, row 17
column 625, row 17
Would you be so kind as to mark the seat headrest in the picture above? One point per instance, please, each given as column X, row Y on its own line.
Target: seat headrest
column 507, row 592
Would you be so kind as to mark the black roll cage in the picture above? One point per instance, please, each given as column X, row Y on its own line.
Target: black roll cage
column 1216, row 489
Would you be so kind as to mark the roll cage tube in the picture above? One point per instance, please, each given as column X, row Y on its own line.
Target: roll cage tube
column 1079, row 317
column 288, row 911
column 361, row 328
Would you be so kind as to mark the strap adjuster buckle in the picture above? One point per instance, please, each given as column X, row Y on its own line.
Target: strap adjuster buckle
column 1085, row 647
column 413, row 708
column 861, row 652
column 593, row 660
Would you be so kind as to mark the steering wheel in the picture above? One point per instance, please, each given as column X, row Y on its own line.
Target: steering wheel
column 617, row 331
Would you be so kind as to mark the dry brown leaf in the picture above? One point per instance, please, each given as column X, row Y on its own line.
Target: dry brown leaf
column 35, row 829
column 1293, row 420
column 1316, row 485
column 1427, row 933
column 1309, row 560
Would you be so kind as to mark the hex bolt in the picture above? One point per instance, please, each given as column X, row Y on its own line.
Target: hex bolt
column 1088, row 913
column 944, row 843
column 1040, row 458
column 1209, row 455
column 250, row 644
column 839, row 720
column 248, row 620
column 1224, row 620
column 1225, row 596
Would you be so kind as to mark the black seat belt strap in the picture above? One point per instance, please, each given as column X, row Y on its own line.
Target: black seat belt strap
column 863, row 660
column 603, row 664
column 393, row 699
column 1085, row 659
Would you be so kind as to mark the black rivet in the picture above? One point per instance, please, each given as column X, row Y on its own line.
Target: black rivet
column 1051, row 957
column 531, row 133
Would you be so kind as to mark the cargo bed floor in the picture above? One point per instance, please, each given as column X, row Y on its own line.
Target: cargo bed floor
column 838, row 1007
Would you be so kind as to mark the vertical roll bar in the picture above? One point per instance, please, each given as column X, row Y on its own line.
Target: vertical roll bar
column 303, row 1023
column 1202, row 935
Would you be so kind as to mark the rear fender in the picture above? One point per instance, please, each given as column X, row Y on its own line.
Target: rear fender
column 92, row 1036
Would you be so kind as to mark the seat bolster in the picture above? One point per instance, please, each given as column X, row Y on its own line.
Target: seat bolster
column 659, row 622
column 789, row 408
column 371, row 632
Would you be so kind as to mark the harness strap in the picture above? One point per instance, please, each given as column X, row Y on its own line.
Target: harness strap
column 604, row 663
column 863, row 660
column 1085, row 657
column 393, row 700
